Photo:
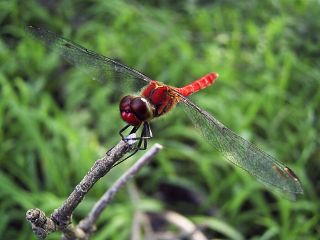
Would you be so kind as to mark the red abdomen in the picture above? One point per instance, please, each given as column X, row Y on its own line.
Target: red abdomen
column 197, row 85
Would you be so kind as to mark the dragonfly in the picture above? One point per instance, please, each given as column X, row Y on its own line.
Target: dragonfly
column 156, row 99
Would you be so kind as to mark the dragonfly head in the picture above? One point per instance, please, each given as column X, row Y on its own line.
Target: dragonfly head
column 135, row 110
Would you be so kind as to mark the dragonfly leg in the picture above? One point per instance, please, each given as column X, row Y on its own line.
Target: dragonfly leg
column 146, row 132
column 133, row 130
column 142, row 144
column 146, row 135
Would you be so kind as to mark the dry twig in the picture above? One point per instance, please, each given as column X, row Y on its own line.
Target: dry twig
column 87, row 224
column 60, row 220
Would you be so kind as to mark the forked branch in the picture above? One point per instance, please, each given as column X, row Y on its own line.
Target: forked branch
column 87, row 224
column 60, row 220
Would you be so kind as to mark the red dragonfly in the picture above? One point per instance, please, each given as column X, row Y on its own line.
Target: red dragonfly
column 156, row 99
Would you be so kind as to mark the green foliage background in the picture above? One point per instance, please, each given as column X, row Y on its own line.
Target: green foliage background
column 55, row 122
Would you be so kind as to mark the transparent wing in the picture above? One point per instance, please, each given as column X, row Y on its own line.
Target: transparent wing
column 242, row 153
column 101, row 68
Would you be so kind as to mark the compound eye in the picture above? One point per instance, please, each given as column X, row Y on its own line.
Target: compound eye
column 126, row 112
column 125, row 103
column 141, row 108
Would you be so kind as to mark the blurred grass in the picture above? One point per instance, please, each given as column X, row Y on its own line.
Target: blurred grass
column 54, row 121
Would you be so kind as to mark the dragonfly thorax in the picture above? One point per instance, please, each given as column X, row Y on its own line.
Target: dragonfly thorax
column 135, row 110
